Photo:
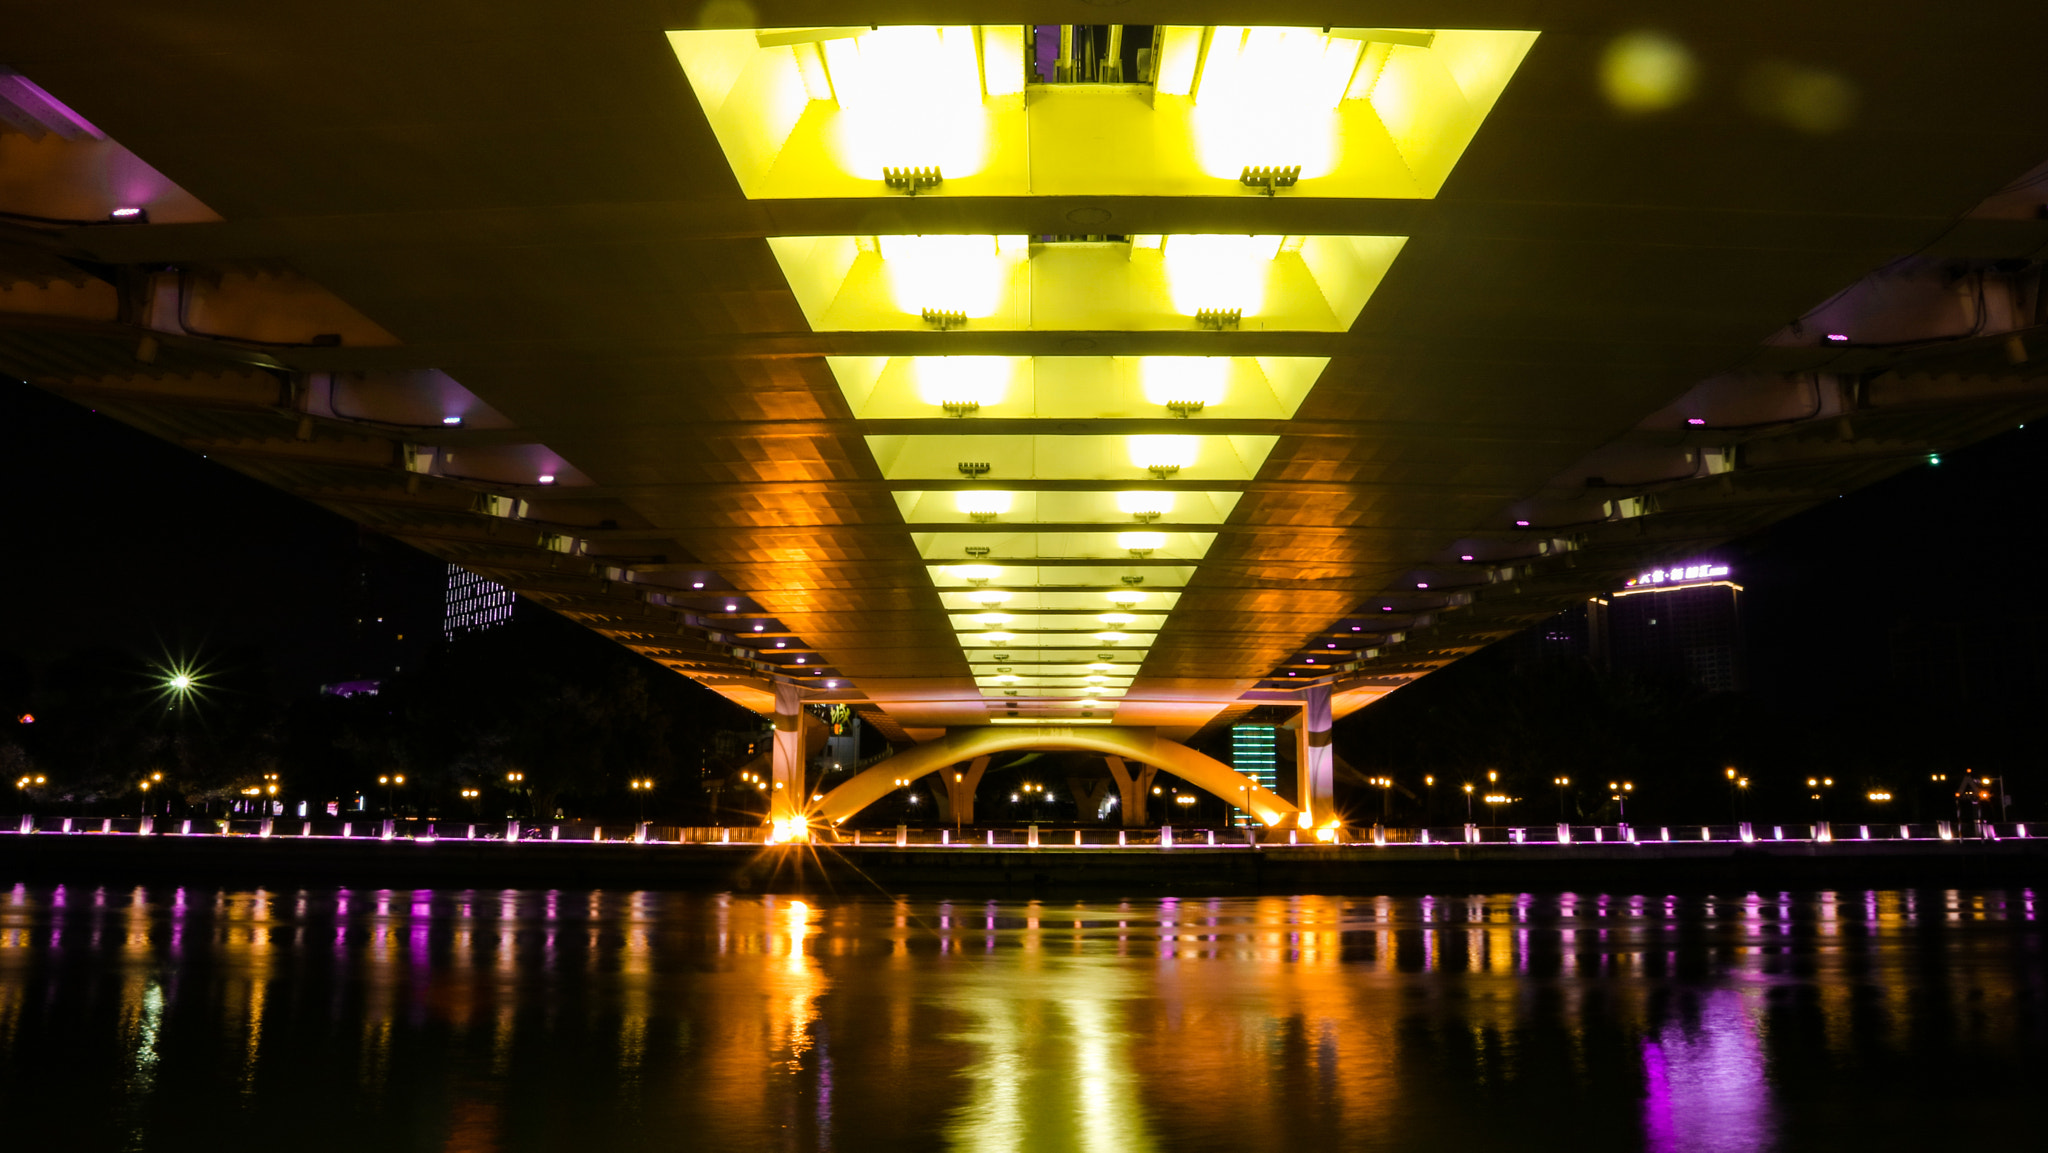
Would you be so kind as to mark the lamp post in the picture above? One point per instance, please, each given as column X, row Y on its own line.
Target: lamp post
column 1818, row 793
column 641, row 786
column 474, row 797
column 1562, row 784
column 391, row 782
column 953, row 795
column 1620, row 791
column 1468, row 802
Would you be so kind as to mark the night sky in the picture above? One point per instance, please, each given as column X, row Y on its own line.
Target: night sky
column 119, row 541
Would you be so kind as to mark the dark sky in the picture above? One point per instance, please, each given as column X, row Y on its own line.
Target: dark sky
column 118, row 540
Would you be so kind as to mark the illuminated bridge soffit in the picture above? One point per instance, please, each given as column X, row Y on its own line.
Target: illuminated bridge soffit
column 1346, row 112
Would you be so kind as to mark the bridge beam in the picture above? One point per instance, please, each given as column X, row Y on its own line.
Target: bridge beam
column 1143, row 745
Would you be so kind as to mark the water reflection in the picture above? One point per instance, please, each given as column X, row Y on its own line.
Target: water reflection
column 515, row 1020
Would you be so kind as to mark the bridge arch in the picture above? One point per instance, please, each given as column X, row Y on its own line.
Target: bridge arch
column 1143, row 745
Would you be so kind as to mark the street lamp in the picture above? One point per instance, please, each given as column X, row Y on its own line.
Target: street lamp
column 1494, row 801
column 1818, row 789
column 475, row 799
column 1468, row 802
column 641, row 786
column 1620, row 791
column 1562, row 784
column 391, row 782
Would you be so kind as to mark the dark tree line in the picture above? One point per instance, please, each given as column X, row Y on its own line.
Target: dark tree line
column 537, row 717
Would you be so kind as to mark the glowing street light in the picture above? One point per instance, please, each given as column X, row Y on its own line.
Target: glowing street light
column 1620, row 791
column 1562, row 784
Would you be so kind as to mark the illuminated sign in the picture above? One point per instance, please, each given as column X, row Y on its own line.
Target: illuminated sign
column 1679, row 573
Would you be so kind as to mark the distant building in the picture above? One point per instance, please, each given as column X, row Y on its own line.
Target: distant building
column 1681, row 623
column 473, row 604
column 1255, row 752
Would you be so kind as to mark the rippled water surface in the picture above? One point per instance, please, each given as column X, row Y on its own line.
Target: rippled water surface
column 188, row 1018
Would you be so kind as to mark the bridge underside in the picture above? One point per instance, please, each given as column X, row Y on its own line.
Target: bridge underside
column 1103, row 435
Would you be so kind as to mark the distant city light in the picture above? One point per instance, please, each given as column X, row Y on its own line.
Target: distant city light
column 1692, row 572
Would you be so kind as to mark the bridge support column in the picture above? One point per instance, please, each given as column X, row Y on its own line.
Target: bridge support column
column 1133, row 790
column 958, row 785
column 786, row 766
column 1315, row 788
column 1089, row 793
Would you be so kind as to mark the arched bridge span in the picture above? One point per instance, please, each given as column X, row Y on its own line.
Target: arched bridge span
column 958, row 746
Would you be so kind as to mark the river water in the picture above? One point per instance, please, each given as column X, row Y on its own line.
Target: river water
column 222, row 1018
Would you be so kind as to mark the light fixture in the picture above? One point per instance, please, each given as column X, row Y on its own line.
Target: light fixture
column 1126, row 598
column 547, row 478
column 990, row 598
column 1141, row 541
column 696, row 584
column 831, row 684
column 129, row 216
column 1465, row 556
column 452, row 421
column 976, row 574
column 781, row 644
column 1266, row 179
column 1000, row 638
column 1218, row 319
column 760, row 628
column 1116, row 619
column 1521, row 524
column 992, row 620
column 1111, row 638
column 911, row 181
column 799, row 660
column 731, row 608
column 1422, row 584
column 1695, row 420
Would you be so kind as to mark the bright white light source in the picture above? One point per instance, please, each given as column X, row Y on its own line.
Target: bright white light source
column 950, row 273
column 984, row 503
column 1144, row 503
column 990, row 598
column 991, row 620
column 1126, row 598
column 547, row 478
column 1000, row 638
column 1163, row 451
column 1266, row 97
column 452, row 421
column 1116, row 620
column 982, row 380
column 976, row 572
column 1205, row 270
column 909, row 97
column 1167, row 379
column 1141, row 540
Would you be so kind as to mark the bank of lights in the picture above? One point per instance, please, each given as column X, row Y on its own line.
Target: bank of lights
column 31, row 781
column 1880, row 795
column 1689, row 572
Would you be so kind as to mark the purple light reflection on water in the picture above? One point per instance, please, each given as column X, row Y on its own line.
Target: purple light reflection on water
column 1704, row 1083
